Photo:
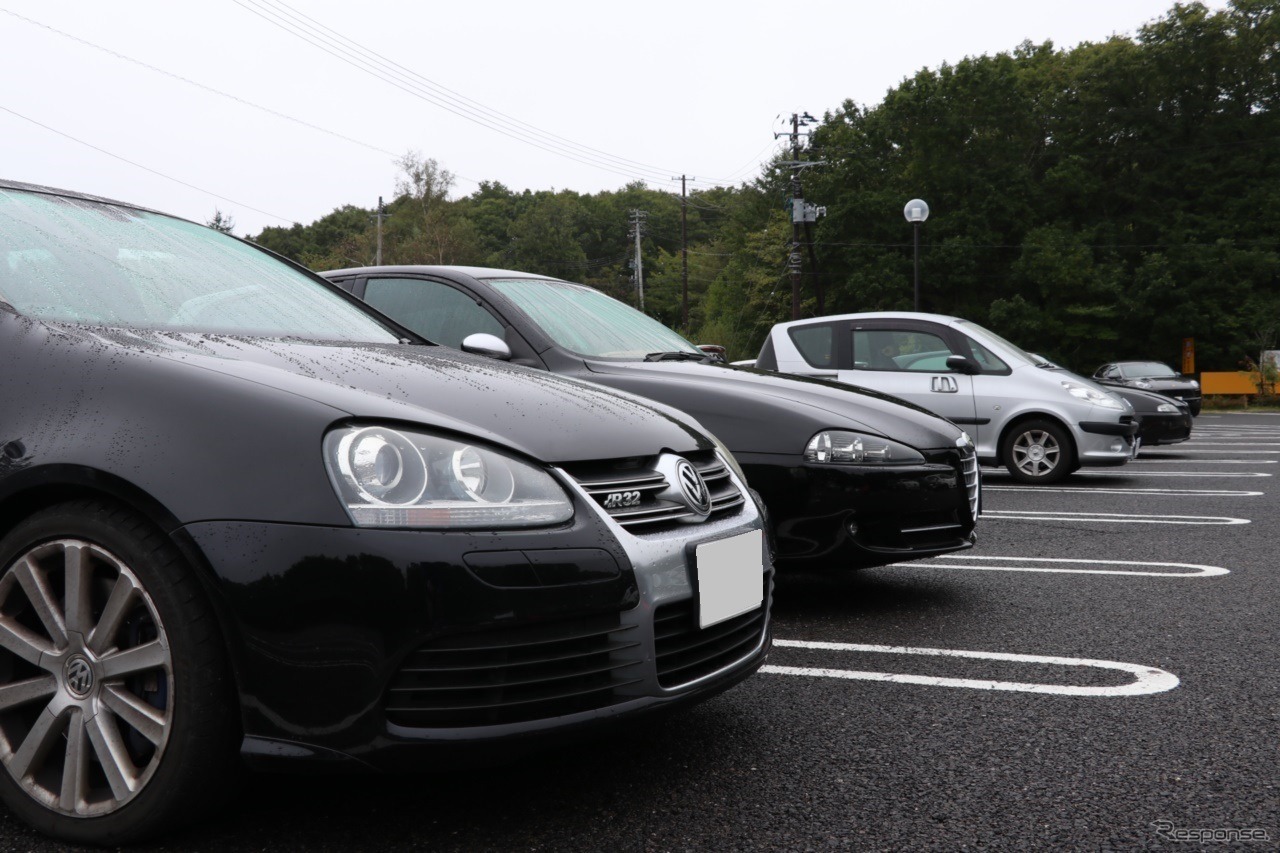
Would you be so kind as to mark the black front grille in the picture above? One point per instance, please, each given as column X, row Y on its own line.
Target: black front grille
column 516, row 675
column 629, row 491
column 685, row 652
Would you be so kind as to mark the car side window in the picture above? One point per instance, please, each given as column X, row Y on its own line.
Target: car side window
column 817, row 344
column 899, row 349
column 440, row 313
column 987, row 360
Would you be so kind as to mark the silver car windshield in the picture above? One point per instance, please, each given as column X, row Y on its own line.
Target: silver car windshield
column 78, row 261
column 587, row 322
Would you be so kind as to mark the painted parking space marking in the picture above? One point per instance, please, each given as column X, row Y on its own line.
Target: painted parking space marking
column 1063, row 565
column 1243, row 452
column 1146, row 679
column 1156, row 459
column 1107, row 517
column 1127, row 473
column 1125, row 490
column 1240, row 443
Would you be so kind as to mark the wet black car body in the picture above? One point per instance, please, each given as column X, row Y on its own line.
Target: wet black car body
column 1161, row 419
column 920, row 501
column 1151, row 376
column 242, row 515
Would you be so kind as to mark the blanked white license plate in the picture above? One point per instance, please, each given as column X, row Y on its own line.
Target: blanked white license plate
column 730, row 577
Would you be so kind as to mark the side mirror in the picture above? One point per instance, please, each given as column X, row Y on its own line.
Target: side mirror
column 490, row 346
column 963, row 364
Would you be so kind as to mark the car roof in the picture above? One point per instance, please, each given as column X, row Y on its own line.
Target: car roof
column 442, row 269
column 944, row 319
column 43, row 190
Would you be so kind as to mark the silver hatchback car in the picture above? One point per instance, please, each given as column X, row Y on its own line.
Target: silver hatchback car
column 1037, row 420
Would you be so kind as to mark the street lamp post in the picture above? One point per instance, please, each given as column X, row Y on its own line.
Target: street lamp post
column 916, row 212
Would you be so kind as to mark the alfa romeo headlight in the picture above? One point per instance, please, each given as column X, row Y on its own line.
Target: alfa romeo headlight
column 391, row 477
column 839, row 447
column 1093, row 395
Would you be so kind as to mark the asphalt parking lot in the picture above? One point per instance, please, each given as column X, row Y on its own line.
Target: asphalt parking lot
column 1100, row 672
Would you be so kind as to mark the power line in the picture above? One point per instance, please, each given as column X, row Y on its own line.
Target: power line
column 144, row 168
column 199, row 85
column 340, row 49
column 457, row 97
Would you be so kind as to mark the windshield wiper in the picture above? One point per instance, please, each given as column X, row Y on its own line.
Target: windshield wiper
column 677, row 356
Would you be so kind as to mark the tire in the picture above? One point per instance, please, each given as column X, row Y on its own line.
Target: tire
column 1038, row 451
column 100, row 613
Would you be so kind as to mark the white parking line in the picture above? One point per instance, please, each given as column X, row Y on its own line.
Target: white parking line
column 1157, row 459
column 1119, row 490
column 1241, row 443
column 1197, row 571
column 1108, row 517
column 1129, row 473
column 1241, row 452
column 1147, row 679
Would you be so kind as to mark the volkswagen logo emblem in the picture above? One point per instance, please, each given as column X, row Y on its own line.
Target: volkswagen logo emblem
column 693, row 488
column 684, row 486
column 79, row 676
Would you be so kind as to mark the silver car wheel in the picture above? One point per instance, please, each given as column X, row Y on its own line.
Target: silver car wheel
column 86, row 679
column 1036, row 453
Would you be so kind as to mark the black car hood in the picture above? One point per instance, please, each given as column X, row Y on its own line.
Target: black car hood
column 759, row 411
column 547, row 417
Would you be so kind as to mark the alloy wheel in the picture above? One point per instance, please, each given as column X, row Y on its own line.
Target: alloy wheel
column 1036, row 453
column 86, row 679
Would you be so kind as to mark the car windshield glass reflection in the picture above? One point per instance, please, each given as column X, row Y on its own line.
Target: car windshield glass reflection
column 1148, row 370
column 589, row 323
column 976, row 331
column 78, row 261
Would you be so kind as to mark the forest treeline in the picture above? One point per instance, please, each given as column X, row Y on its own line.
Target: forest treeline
column 1094, row 203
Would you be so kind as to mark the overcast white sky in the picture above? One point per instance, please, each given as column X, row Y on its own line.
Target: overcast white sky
column 645, row 90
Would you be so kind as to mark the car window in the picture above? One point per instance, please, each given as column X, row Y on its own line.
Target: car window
column 816, row 344
column 587, row 322
column 987, row 360
column 1148, row 370
column 78, row 261
column 899, row 349
column 440, row 313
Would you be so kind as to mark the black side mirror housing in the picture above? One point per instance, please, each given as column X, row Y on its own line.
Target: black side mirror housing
column 963, row 364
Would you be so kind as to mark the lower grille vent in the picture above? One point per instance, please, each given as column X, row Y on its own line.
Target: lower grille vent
column 686, row 652
column 515, row 675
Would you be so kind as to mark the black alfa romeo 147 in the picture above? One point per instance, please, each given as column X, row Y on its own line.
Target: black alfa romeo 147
column 851, row 478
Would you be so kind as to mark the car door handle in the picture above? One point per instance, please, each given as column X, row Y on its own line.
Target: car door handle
column 945, row 385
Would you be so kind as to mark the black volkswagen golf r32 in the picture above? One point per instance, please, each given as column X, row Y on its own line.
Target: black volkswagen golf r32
column 240, row 515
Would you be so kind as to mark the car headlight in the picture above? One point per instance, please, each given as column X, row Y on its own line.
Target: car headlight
column 729, row 459
column 1093, row 395
column 1167, row 408
column 390, row 477
column 838, row 447
column 1195, row 384
column 1141, row 383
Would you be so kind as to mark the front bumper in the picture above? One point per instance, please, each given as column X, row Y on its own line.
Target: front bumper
column 1105, row 442
column 385, row 647
column 1155, row 429
column 858, row 516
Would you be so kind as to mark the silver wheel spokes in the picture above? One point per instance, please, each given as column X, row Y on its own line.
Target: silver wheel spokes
column 86, row 678
column 1036, row 453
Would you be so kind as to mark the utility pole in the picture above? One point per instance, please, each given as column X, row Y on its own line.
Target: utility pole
column 800, row 211
column 684, row 255
column 381, row 215
column 637, row 230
